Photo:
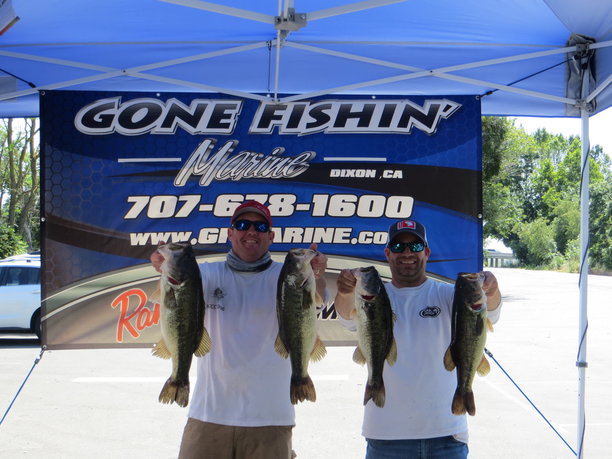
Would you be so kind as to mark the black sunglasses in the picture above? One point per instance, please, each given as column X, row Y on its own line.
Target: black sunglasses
column 399, row 247
column 244, row 225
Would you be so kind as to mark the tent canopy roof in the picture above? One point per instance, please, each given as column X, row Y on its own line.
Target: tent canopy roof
column 512, row 53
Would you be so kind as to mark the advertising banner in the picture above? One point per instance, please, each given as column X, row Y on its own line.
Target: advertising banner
column 122, row 172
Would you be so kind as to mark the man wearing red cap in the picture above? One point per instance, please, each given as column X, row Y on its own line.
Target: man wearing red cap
column 416, row 420
column 239, row 408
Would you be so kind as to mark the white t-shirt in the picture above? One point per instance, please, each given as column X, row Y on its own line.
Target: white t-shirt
column 419, row 390
column 242, row 381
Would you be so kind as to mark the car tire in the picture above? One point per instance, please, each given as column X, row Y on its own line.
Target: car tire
column 35, row 324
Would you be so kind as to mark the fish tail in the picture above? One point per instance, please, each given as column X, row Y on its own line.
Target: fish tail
column 463, row 402
column 302, row 388
column 174, row 391
column 468, row 401
column 376, row 393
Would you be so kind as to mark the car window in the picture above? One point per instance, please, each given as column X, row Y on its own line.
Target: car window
column 19, row 275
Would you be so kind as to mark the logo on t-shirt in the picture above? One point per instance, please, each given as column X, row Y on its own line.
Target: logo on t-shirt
column 218, row 295
column 430, row 312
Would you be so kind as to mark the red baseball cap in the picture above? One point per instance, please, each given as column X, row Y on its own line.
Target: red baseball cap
column 252, row 206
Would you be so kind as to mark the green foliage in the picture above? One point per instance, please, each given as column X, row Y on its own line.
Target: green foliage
column 19, row 178
column 494, row 133
column 536, row 244
column 531, row 197
column 572, row 256
column 600, row 236
column 501, row 211
column 11, row 243
column 566, row 223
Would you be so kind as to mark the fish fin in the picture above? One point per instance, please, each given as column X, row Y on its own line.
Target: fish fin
column 302, row 389
column 463, row 402
column 280, row 348
column 468, row 402
column 449, row 363
column 376, row 393
column 173, row 391
column 155, row 297
column 358, row 356
column 205, row 344
column 457, row 407
column 489, row 325
column 392, row 355
column 161, row 350
column 319, row 351
column 483, row 367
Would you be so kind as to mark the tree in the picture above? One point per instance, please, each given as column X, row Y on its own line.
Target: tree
column 566, row 223
column 494, row 133
column 10, row 242
column 536, row 245
column 600, row 235
column 19, row 182
column 532, row 183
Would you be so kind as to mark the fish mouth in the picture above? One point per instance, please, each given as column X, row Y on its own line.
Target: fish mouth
column 477, row 307
column 368, row 297
column 173, row 281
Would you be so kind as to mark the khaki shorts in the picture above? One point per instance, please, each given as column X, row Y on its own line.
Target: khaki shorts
column 205, row 440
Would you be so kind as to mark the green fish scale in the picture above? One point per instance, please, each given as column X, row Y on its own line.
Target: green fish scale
column 377, row 330
column 379, row 338
column 469, row 333
column 189, row 328
column 297, row 328
column 185, row 309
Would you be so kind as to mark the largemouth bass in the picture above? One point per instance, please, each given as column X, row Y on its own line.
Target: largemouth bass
column 297, row 338
column 182, row 319
column 375, row 341
column 469, row 335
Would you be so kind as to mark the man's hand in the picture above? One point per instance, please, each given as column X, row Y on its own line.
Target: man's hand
column 345, row 296
column 318, row 263
column 491, row 290
column 345, row 283
column 157, row 259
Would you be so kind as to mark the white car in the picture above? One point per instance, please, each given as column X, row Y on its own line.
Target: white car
column 20, row 293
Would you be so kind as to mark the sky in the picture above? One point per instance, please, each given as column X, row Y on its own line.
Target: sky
column 600, row 127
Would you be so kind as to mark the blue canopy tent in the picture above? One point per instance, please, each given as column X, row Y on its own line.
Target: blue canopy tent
column 516, row 54
column 521, row 57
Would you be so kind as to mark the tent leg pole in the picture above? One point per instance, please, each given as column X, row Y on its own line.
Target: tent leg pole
column 277, row 70
column 583, row 283
column 277, row 57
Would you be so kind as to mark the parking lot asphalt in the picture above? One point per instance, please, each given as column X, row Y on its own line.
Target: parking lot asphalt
column 103, row 403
